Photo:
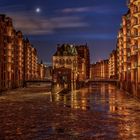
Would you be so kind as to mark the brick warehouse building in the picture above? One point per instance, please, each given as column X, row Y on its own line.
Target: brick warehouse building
column 100, row 70
column 84, row 61
column 75, row 58
column 128, row 50
column 18, row 58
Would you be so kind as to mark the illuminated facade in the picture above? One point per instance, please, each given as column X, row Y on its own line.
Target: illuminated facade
column 18, row 59
column 66, row 56
column 100, row 70
column 2, row 51
column 119, row 54
column 113, row 65
column 95, row 71
column 30, row 61
column 124, row 51
column 75, row 58
column 128, row 50
column 104, row 69
column 7, row 47
column 134, row 7
column 83, row 62
column 41, row 71
column 49, row 72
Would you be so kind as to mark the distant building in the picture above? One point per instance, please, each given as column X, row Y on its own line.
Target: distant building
column 49, row 72
column 73, row 57
column 104, row 69
column 42, row 69
column 66, row 57
column 95, row 70
column 100, row 70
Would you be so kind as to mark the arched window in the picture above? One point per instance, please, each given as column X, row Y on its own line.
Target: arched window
column 60, row 61
column 70, row 61
column 56, row 61
column 63, row 61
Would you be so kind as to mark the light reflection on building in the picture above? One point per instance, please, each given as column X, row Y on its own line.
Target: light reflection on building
column 18, row 58
column 128, row 49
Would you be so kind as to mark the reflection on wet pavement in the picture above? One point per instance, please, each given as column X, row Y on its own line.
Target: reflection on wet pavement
column 96, row 112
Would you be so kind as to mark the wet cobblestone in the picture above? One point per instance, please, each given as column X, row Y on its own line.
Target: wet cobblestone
column 99, row 112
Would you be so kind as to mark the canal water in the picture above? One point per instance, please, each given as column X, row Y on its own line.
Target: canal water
column 99, row 111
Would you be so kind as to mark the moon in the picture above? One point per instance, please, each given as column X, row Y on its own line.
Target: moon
column 38, row 10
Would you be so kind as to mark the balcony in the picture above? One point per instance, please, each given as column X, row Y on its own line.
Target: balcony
column 134, row 56
column 9, row 60
column 129, row 2
column 9, row 54
column 128, row 60
column 136, row 36
column 136, row 24
column 135, row 2
column 136, row 12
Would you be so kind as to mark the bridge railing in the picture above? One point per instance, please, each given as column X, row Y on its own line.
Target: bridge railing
column 103, row 80
column 39, row 80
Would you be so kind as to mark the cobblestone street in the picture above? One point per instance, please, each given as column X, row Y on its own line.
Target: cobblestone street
column 96, row 112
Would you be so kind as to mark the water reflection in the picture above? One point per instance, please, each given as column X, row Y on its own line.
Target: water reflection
column 76, row 99
column 99, row 111
column 116, row 105
column 95, row 97
column 79, row 99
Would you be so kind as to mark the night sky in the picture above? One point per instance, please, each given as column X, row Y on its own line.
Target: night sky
column 51, row 22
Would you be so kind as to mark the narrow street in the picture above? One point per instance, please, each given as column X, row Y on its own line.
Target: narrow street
column 100, row 111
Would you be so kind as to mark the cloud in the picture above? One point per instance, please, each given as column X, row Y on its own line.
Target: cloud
column 102, row 9
column 32, row 24
column 93, row 36
column 78, row 10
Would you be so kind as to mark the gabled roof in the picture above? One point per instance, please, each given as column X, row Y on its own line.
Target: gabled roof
column 66, row 50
